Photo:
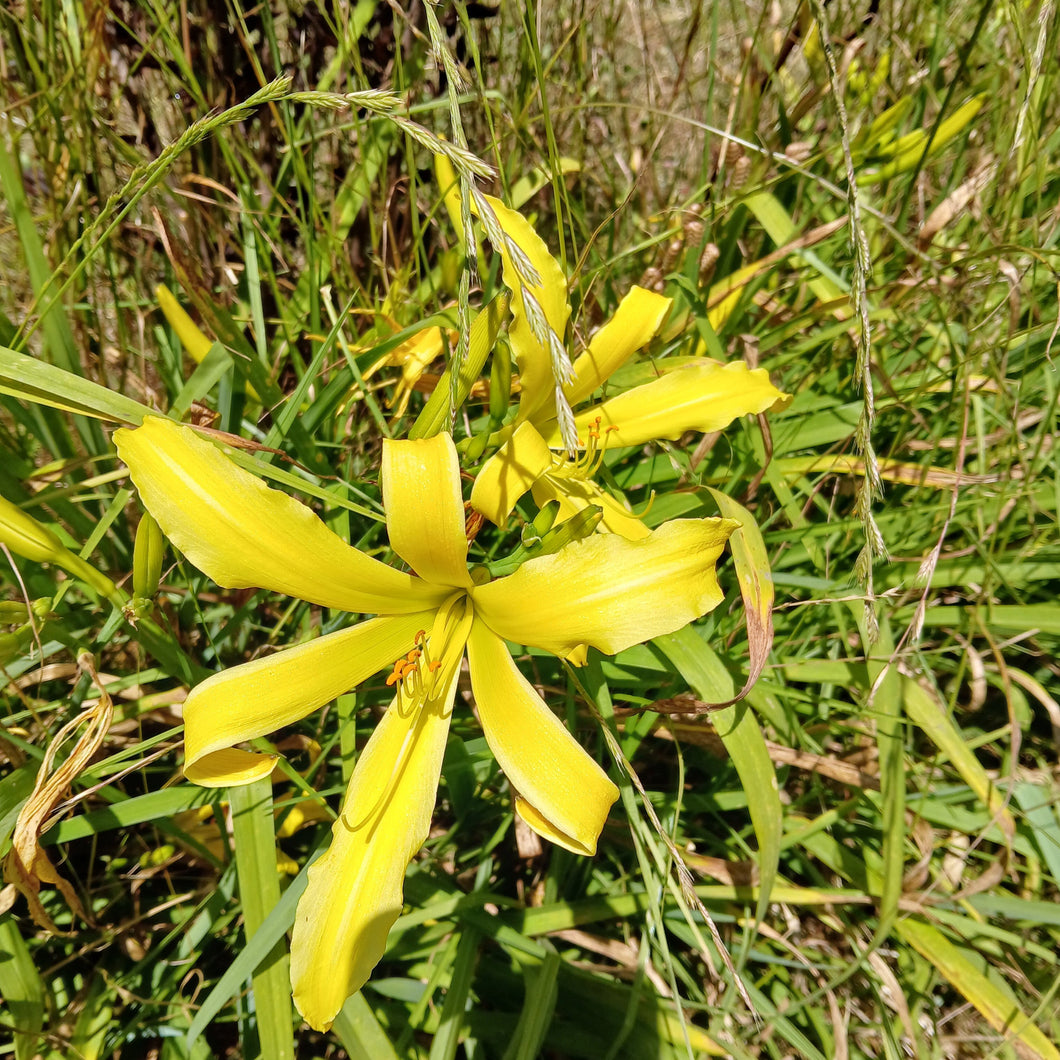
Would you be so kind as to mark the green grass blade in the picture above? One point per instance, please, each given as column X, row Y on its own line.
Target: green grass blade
column 22, row 990
column 37, row 381
column 360, row 1033
column 457, row 997
column 993, row 1001
column 885, row 706
column 58, row 336
column 539, row 1004
column 738, row 728
column 259, row 892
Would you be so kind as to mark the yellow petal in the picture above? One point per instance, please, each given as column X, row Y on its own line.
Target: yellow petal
column 695, row 397
column 191, row 338
column 531, row 357
column 574, row 495
column 354, row 892
column 608, row 592
column 638, row 317
column 425, row 508
column 562, row 793
column 509, row 473
column 264, row 695
column 449, row 184
column 243, row 534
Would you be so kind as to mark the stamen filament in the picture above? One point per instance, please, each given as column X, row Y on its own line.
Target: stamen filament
column 588, row 462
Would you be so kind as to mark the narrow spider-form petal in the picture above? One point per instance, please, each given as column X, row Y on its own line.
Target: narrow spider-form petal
column 509, row 473
column 243, row 534
column 562, row 793
column 531, row 356
column 354, row 891
column 259, row 697
column 425, row 509
column 695, row 397
column 574, row 495
column 638, row 317
column 608, row 592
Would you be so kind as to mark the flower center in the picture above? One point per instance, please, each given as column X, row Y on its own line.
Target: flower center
column 409, row 672
column 588, row 462
column 421, row 674
column 423, row 687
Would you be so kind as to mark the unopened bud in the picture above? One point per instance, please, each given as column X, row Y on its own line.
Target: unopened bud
column 533, row 532
column 148, row 551
column 26, row 537
column 500, row 382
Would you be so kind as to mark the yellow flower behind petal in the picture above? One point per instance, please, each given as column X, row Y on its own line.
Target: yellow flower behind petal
column 695, row 397
column 705, row 397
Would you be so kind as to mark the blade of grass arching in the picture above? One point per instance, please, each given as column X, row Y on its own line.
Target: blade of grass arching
column 30, row 379
column 360, row 1033
column 930, row 715
column 828, row 286
column 539, row 1004
column 58, row 336
column 989, row 996
column 301, row 485
column 259, row 891
column 738, row 729
column 22, row 990
column 127, row 812
column 885, row 707
column 751, row 563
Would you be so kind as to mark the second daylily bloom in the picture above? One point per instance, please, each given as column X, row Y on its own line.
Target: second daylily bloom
column 702, row 396
column 603, row 592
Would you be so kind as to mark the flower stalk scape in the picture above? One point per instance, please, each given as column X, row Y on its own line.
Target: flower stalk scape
column 603, row 592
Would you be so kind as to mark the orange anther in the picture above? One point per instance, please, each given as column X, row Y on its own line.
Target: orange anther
column 434, row 666
column 413, row 656
column 393, row 679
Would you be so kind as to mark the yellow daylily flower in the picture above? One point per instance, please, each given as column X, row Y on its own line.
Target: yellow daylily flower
column 701, row 396
column 603, row 592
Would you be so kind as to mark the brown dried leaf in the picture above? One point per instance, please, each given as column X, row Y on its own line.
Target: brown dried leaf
column 27, row 866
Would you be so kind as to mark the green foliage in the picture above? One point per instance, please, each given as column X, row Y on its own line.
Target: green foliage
column 897, row 894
